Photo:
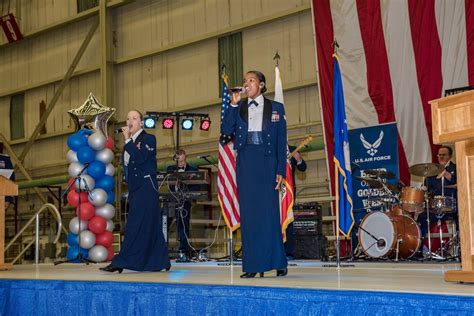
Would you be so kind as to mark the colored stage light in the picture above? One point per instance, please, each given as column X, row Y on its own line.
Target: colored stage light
column 187, row 124
column 149, row 122
column 168, row 123
column 205, row 124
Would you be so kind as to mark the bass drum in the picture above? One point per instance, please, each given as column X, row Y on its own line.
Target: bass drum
column 379, row 233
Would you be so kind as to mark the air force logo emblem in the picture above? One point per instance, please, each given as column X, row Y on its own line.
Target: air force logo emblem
column 371, row 148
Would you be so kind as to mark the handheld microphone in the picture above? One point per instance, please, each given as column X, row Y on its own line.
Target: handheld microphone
column 118, row 130
column 238, row 89
column 203, row 156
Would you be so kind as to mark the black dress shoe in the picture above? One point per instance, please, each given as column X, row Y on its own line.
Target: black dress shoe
column 248, row 275
column 282, row 272
column 111, row 268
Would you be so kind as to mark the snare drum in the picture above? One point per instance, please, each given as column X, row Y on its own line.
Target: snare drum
column 380, row 232
column 442, row 204
column 412, row 199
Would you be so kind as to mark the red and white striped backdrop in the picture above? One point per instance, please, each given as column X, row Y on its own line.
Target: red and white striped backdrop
column 395, row 56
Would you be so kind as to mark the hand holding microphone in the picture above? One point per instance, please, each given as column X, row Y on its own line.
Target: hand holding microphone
column 236, row 92
column 125, row 130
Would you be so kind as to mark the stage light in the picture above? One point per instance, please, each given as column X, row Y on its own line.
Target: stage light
column 205, row 124
column 168, row 123
column 149, row 122
column 187, row 124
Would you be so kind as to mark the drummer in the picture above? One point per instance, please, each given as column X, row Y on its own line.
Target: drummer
column 434, row 186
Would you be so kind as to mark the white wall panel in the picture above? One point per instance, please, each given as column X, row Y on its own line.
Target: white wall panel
column 42, row 58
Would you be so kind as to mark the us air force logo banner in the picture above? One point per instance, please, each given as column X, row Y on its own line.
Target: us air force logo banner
column 372, row 148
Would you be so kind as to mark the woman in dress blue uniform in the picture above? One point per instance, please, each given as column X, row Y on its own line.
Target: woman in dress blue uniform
column 258, row 126
column 144, row 247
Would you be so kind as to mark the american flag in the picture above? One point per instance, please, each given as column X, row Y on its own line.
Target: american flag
column 226, row 177
column 397, row 55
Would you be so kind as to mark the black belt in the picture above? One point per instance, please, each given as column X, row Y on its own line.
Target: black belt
column 255, row 138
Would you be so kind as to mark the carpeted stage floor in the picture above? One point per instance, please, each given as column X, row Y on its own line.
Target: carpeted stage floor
column 212, row 289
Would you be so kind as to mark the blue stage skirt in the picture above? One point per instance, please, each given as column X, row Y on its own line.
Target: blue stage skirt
column 144, row 247
column 262, row 243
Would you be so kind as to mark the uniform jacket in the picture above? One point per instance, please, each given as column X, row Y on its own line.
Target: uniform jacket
column 235, row 123
column 142, row 162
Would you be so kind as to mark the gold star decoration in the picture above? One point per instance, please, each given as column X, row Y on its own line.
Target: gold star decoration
column 92, row 115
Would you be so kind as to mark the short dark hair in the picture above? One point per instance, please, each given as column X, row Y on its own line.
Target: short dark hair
column 181, row 152
column 450, row 150
column 261, row 78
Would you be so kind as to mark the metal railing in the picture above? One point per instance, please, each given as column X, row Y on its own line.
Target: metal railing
column 56, row 215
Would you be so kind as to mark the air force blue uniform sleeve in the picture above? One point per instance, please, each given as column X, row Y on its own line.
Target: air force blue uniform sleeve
column 142, row 162
column 282, row 139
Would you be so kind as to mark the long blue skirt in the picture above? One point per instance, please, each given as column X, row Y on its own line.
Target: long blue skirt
column 144, row 247
column 262, row 243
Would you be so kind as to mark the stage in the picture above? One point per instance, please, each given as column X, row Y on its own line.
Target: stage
column 214, row 289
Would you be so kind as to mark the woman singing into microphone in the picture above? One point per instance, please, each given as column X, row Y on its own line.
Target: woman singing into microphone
column 144, row 247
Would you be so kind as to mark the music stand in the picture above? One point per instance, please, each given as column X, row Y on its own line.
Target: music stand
column 77, row 180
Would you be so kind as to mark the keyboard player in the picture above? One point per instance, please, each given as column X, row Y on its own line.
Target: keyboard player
column 183, row 212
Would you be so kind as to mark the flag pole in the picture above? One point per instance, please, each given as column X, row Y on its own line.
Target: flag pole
column 336, row 184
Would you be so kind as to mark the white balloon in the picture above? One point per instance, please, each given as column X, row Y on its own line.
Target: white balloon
column 110, row 226
column 71, row 156
column 86, row 239
column 97, row 141
column 98, row 197
column 75, row 168
column 107, row 211
column 87, row 182
column 98, row 253
column 105, row 155
column 74, row 225
column 110, row 170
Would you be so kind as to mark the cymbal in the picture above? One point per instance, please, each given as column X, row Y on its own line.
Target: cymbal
column 373, row 183
column 426, row 169
column 393, row 188
column 380, row 173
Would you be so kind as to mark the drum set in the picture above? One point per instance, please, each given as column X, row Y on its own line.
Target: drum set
column 393, row 232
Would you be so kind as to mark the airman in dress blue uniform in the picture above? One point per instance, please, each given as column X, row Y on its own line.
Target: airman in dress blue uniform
column 144, row 247
column 6, row 163
column 183, row 214
column 258, row 126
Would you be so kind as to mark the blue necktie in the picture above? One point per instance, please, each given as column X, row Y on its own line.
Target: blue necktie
column 253, row 102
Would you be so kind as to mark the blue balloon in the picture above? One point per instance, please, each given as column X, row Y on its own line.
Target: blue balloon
column 85, row 154
column 73, row 251
column 76, row 141
column 110, row 197
column 96, row 170
column 106, row 182
column 85, row 131
column 72, row 239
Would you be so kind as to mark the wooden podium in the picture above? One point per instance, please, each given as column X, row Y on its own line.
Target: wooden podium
column 7, row 188
column 453, row 121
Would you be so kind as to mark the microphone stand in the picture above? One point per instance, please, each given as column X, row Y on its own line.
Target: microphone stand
column 231, row 239
column 77, row 180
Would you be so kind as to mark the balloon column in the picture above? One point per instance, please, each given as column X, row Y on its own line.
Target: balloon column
column 92, row 182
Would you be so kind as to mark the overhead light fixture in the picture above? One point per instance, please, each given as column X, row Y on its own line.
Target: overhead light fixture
column 168, row 123
column 149, row 122
column 205, row 124
column 187, row 124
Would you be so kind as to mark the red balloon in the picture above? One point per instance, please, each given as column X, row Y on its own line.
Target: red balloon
column 105, row 239
column 97, row 225
column 73, row 198
column 87, row 211
column 109, row 143
column 110, row 253
column 73, row 186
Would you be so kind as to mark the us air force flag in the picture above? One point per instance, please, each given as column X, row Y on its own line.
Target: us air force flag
column 342, row 156
column 372, row 148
